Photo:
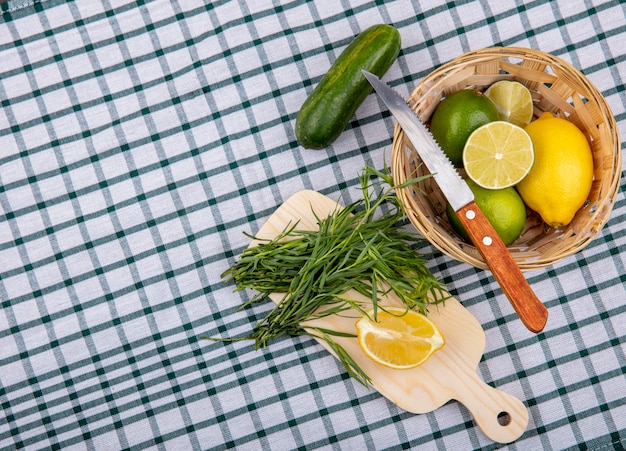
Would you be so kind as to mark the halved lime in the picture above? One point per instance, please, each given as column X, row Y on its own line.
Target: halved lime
column 498, row 155
column 512, row 100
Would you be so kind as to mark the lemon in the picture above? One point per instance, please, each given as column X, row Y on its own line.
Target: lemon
column 498, row 155
column 513, row 101
column 456, row 117
column 560, row 180
column 503, row 208
column 399, row 339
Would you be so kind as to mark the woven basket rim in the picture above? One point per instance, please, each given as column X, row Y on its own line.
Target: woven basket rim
column 556, row 86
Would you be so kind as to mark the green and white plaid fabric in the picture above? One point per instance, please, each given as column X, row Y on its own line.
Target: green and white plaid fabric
column 140, row 139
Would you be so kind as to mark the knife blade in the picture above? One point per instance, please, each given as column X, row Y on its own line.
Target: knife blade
column 503, row 266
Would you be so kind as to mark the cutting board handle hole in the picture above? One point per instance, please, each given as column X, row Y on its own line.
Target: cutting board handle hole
column 504, row 419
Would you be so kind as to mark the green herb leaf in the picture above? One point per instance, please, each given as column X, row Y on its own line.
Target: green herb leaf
column 360, row 247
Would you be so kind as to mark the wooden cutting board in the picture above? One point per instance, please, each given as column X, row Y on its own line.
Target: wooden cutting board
column 450, row 374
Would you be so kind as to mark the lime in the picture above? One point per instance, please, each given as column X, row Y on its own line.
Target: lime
column 560, row 180
column 456, row 117
column 513, row 101
column 503, row 208
column 498, row 155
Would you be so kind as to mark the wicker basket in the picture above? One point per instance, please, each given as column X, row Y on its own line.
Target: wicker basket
column 556, row 86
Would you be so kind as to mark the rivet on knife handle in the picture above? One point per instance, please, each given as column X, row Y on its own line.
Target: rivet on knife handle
column 504, row 268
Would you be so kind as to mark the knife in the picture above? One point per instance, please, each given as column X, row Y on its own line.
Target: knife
column 501, row 263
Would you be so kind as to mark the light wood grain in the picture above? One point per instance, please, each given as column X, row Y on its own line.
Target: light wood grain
column 450, row 374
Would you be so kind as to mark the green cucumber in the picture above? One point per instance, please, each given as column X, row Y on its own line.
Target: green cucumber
column 328, row 109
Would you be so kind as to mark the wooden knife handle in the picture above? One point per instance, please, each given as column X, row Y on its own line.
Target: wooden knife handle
column 504, row 267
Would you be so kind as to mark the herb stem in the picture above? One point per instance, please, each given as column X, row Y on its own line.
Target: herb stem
column 359, row 247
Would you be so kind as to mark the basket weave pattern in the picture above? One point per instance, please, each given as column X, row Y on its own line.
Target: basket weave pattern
column 556, row 86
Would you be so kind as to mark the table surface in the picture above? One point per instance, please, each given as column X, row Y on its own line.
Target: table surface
column 139, row 140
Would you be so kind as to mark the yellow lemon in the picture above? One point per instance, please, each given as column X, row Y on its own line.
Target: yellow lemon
column 399, row 338
column 560, row 180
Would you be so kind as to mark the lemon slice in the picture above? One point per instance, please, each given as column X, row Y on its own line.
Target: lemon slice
column 513, row 101
column 399, row 339
column 498, row 155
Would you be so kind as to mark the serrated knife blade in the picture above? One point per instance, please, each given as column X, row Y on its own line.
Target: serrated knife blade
column 452, row 185
column 503, row 266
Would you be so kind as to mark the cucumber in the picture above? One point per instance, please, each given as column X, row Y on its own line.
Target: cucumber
column 328, row 109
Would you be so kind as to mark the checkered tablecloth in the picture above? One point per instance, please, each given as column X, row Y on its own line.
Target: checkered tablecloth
column 140, row 139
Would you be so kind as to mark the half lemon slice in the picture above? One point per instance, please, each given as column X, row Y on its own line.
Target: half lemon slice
column 498, row 155
column 399, row 339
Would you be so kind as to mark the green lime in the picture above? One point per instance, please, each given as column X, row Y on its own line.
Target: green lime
column 504, row 209
column 456, row 117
